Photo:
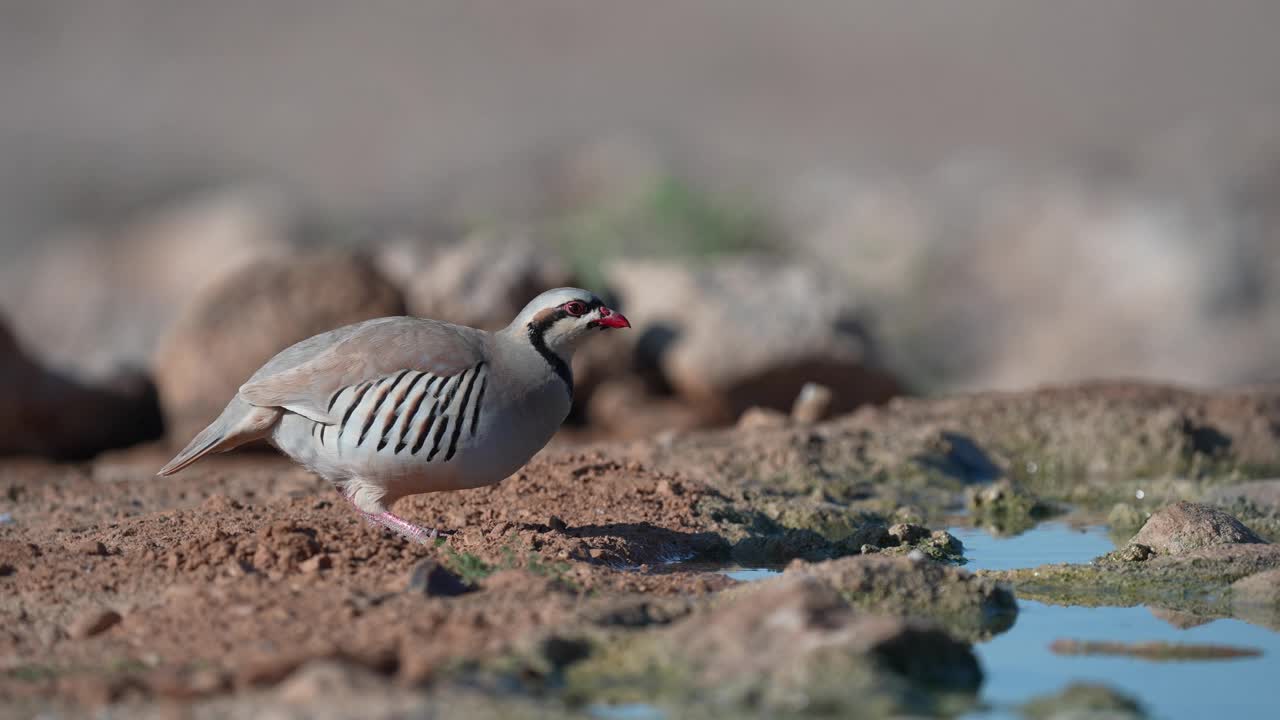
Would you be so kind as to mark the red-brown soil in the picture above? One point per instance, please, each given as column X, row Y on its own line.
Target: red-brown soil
column 238, row 569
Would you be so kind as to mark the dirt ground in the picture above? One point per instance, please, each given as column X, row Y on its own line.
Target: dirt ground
column 118, row 586
column 243, row 566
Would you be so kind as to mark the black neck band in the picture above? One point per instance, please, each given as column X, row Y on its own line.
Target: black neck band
column 536, row 332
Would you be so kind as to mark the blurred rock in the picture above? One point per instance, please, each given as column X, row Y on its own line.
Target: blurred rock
column 93, row 300
column 1258, row 589
column 907, row 534
column 322, row 679
column 482, row 281
column 786, row 646
column 432, row 579
column 624, row 409
column 229, row 330
column 608, row 358
column 1183, row 527
column 1256, row 598
column 965, row 604
column 1128, row 281
column 47, row 414
column 987, row 276
column 875, row 234
column 788, row 630
column 1005, row 507
column 1178, row 619
column 757, row 418
column 93, row 621
column 747, row 331
column 1080, row 701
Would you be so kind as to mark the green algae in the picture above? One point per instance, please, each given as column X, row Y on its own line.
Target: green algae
column 716, row 660
column 652, row 671
column 1006, row 508
column 1090, row 447
column 966, row 605
column 1198, row 583
column 472, row 568
column 772, row 529
column 32, row 672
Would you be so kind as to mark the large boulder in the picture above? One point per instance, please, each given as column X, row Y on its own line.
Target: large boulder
column 749, row 332
column 227, row 332
column 45, row 413
column 92, row 300
column 1183, row 527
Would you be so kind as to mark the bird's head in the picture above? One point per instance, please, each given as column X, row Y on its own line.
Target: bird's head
column 559, row 319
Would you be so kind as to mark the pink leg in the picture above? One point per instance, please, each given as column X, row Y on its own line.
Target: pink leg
column 397, row 524
column 404, row 527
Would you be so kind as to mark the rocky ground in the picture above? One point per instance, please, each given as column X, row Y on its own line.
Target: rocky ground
column 595, row 574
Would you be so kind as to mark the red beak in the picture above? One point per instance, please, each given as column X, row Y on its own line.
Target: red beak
column 611, row 319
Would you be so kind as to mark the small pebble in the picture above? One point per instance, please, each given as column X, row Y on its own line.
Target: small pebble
column 1134, row 552
column 49, row 634
column 812, row 404
column 431, row 578
column 908, row 533
column 91, row 547
column 315, row 563
column 93, row 622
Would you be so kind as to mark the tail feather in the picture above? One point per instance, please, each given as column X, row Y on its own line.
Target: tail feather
column 239, row 423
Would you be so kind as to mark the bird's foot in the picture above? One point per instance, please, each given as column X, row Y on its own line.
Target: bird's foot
column 404, row 528
column 397, row 524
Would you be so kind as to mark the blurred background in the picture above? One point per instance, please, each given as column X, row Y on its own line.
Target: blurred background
column 907, row 197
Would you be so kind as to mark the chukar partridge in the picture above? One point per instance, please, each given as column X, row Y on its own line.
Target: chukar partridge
column 400, row 406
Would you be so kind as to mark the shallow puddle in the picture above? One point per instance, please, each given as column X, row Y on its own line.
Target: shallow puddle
column 750, row 574
column 1020, row 666
column 1050, row 542
column 628, row 711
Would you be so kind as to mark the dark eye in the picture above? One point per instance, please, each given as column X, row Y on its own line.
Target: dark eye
column 575, row 308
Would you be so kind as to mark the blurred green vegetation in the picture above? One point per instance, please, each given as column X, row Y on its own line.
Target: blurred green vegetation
column 472, row 568
column 669, row 218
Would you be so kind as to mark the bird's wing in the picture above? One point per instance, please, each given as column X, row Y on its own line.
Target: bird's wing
column 305, row 377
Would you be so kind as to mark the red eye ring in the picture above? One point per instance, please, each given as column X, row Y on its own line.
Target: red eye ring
column 575, row 308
